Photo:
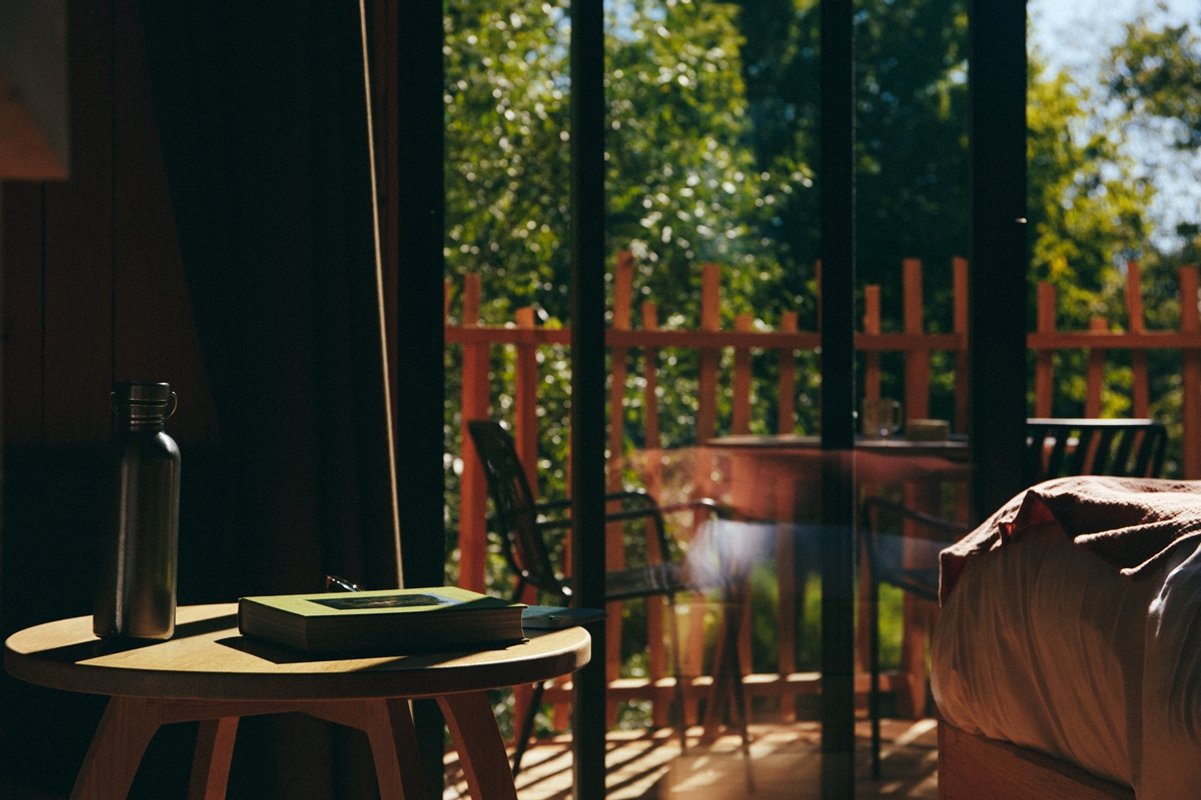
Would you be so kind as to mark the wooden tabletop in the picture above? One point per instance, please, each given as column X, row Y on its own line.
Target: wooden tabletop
column 893, row 459
column 208, row 659
column 953, row 446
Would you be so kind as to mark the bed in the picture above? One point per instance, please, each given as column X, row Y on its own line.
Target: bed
column 1066, row 660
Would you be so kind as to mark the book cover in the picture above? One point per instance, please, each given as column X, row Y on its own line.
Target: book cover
column 381, row 622
column 553, row 618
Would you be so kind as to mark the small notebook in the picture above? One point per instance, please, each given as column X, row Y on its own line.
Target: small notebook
column 548, row 618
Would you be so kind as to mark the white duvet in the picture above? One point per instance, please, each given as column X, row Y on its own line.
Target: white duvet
column 1043, row 644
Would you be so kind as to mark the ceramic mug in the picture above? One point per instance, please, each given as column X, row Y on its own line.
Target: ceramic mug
column 881, row 418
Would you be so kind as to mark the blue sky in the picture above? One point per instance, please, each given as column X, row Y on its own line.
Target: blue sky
column 1075, row 32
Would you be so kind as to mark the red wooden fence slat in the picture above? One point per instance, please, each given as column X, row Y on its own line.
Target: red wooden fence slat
column 472, row 488
column 1190, row 375
column 786, row 391
column 1140, row 400
column 650, row 371
column 741, row 421
column 706, row 417
column 917, row 362
column 960, row 314
column 871, row 327
column 525, row 398
column 1095, row 378
column 1044, row 364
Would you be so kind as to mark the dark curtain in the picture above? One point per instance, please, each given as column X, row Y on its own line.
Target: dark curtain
column 260, row 108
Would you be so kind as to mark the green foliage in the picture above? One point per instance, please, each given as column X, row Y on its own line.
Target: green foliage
column 1154, row 76
column 683, row 188
column 1084, row 211
column 507, row 150
column 1157, row 73
column 911, row 134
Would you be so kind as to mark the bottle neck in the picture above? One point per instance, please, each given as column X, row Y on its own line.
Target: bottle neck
column 130, row 424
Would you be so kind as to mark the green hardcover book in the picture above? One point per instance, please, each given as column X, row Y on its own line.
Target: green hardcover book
column 382, row 622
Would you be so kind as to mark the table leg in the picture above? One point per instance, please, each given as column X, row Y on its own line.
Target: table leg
column 790, row 578
column 481, row 751
column 116, row 750
column 728, row 695
column 210, row 764
column 389, row 728
column 911, row 691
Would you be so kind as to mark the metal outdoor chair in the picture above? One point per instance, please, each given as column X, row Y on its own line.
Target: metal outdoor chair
column 1054, row 448
column 1122, row 447
column 889, row 528
column 530, row 533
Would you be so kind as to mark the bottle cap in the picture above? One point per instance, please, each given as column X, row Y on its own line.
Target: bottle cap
column 144, row 399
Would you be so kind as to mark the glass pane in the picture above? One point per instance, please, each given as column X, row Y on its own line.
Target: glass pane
column 1113, row 205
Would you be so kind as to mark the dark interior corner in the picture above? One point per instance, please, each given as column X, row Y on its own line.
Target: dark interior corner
column 245, row 311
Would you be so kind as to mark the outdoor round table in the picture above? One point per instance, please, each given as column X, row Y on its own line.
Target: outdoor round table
column 781, row 477
column 210, row 673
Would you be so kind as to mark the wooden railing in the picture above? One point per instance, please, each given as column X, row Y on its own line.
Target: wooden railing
column 1103, row 337
column 913, row 342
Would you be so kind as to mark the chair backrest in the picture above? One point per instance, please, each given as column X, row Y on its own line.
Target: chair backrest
column 514, row 508
column 1122, row 447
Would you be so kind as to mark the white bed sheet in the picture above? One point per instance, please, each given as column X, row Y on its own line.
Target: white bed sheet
column 1042, row 644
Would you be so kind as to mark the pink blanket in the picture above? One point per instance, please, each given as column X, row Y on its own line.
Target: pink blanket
column 1129, row 523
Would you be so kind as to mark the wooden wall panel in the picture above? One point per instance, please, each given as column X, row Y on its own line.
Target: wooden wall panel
column 78, row 250
column 94, row 289
column 21, row 298
column 154, row 336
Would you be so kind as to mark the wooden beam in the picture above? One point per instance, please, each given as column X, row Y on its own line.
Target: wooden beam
column 997, row 296
column 836, row 180
column 587, row 56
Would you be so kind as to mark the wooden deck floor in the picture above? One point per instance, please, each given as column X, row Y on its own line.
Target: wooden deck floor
column 785, row 763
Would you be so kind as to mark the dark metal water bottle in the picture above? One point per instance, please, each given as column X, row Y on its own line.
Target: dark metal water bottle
column 139, row 543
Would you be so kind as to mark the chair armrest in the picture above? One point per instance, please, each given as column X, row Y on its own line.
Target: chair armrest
column 701, row 503
column 643, row 500
column 551, row 505
column 638, row 504
column 561, row 523
column 929, row 526
column 644, row 581
column 916, row 573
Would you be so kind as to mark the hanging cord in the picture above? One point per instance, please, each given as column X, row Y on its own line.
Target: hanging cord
column 379, row 290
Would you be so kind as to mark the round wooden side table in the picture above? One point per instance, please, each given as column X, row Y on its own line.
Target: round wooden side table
column 212, row 674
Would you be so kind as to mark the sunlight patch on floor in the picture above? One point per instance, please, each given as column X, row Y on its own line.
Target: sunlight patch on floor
column 785, row 763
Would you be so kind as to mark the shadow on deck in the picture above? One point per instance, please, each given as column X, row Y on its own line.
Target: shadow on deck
column 785, row 763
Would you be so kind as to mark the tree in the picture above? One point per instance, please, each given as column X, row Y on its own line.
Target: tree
column 911, row 131
column 1085, row 212
column 684, row 188
column 1086, row 217
column 1155, row 74
column 507, row 153
column 682, row 185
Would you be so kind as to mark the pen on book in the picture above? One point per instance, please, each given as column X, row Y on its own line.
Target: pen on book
column 335, row 583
